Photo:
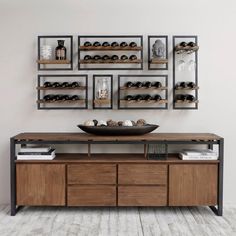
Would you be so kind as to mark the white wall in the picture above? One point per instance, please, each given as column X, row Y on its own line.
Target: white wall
column 213, row 21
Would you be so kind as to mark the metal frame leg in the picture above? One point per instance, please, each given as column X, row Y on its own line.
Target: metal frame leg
column 13, row 176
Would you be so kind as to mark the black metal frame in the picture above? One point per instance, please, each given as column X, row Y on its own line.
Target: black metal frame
column 111, row 91
column 149, row 53
column 138, row 37
column 63, row 108
column 183, row 107
column 56, row 36
column 143, row 108
column 13, row 142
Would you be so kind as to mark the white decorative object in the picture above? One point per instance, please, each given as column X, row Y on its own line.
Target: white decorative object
column 127, row 123
column 46, row 52
column 158, row 49
column 102, row 123
column 102, row 89
column 89, row 123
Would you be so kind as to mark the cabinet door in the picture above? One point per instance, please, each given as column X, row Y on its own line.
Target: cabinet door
column 193, row 184
column 40, row 184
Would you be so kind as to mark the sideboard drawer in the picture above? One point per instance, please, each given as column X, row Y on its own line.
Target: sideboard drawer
column 142, row 196
column 142, row 174
column 91, row 174
column 91, row 195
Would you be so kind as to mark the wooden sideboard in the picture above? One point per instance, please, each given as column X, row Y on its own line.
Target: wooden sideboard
column 76, row 179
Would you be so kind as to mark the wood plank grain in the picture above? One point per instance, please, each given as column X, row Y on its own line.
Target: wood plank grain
column 92, row 195
column 91, row 174
column 193, row 185
column 40, row 184
column 142, row 174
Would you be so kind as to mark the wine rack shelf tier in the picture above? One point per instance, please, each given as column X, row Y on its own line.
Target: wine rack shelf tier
column 157, row 52
column 185, row 70
column 137, row 51
column 148, row 94
column 66, row 97
column 46, row 56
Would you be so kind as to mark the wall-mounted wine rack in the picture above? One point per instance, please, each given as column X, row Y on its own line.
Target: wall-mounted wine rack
column 152, row 102
column 108, row 50
column 161, row 62
column 98, row 101
column 52, row 63
column 185, row 72
column 62, row 96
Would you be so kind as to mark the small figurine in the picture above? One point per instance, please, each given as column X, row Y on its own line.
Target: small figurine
column 158, row 49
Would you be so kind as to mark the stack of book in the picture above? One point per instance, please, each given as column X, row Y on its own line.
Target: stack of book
column 36, row 153
column 198, row 154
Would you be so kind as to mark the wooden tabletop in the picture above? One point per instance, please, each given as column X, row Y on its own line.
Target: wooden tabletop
column 89, row 137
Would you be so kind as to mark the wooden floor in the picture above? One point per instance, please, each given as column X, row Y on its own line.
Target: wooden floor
column 117, row 221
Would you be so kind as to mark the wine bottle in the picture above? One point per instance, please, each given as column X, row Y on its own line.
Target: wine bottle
column 157, row 84
column 138, row 98
column 74, row 84
column 183, row 85
column 106, row 44
column 114, row 57
column 147, row 97
column 147, row 84
column 57, row 97
column 96, row 44
column 190, row 98
column 74, row 97
column 129, row 84
column 129, row 98
column 47, row 85
column 124, row 57
column 191, row 44
column 183, row 44
column 191, row 85
column 48, row 97
column 133, row 44
column 105, row 57
column 87, row 57
column 138, row 84
column 123, row 44
column 133, row 57
column 60, row 50
column 65, row 85
column 114, row 44
column 181, row 97
column 64, row 97
column 157, row 98
column 97, row 57
column 87, row 44
column 56, row 85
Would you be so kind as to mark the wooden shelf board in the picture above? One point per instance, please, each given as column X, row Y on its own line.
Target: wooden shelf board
column 112, row 158
column 48, row 88
column 61, row 102
column 195, row 88
column 188, row 48
column 53, row 61
column 185, row 102
column 159, row 61
column 163, row 101
column 138, row 61
column 143, row 88
column 109, row 48
column 102, row 101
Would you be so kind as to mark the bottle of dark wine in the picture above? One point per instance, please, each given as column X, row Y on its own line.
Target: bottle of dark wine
column 64, row 97
column 87, row 44
column 105, row 57
column 114, row 57
column 97, row 57
column 48, row 97
column 60, row 50
column 191, row 44
column 147, row 84
column 56, row 85
column 138, row 98
column 106, row 44
column 114, row 44
column 87, row 57
column 183, row 85
column 124, row 57
column 157, row 97
column 133, row 44
column 147, row 97
column 129, row 98
column 74, row 97
column 183, row 44
column 191, row 85
column 181, row 97
column 129, row 84
column 65, row 85
column 47, row 85
column 190, row 98
column 133, row 57
column 138, row 84
column 57, row 97
column 96, row 44
column 123, row 44
column 74, row 85
column 157, row 84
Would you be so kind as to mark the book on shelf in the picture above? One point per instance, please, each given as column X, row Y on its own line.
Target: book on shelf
column 37, row 156
column 199, row 152
column 195, row 158
column 37, row 153
column 35, row 149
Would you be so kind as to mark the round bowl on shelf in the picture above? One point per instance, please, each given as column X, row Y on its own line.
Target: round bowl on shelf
column 119, row 130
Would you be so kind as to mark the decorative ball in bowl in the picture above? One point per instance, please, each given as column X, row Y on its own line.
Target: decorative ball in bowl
column 111, row 127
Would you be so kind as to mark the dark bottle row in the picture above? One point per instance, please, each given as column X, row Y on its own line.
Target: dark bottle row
column 185, row 85
column 145, row 97
column 61, row 85
column 107, row 44
column 146, row 84
column 189, row 44
column 60, row 97
column 185, row 98
column 113, row 57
